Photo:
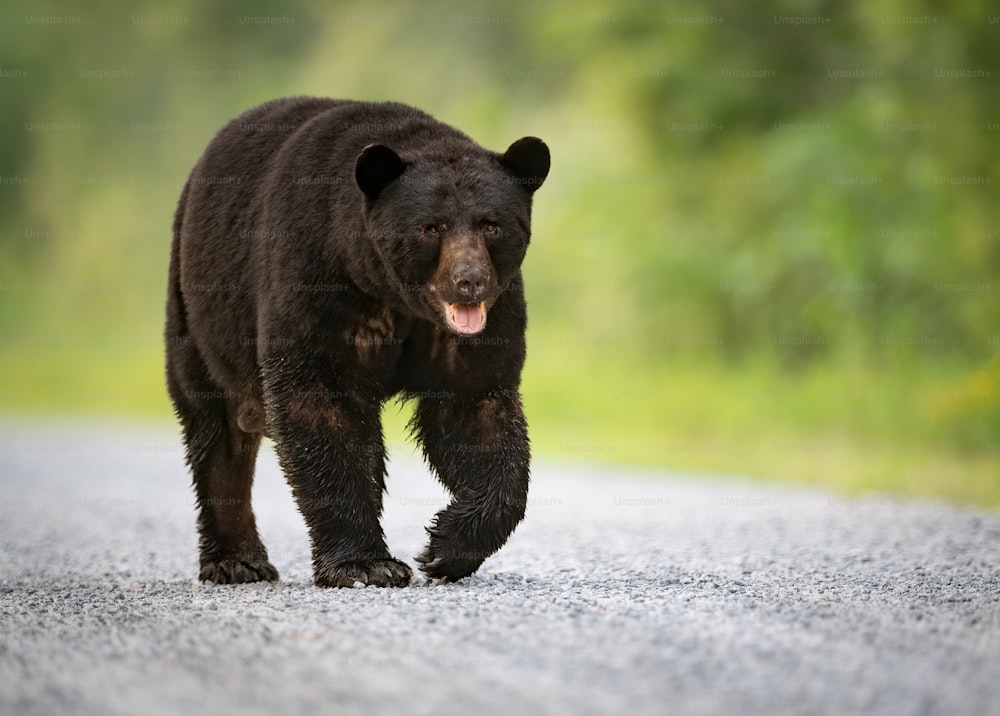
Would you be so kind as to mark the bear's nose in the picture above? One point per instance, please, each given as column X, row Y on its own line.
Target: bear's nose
column 470, row 282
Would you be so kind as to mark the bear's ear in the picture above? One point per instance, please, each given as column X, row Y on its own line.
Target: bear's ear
column 377, row 167
column 528, row 158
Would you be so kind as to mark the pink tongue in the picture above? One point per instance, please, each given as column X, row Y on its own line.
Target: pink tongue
column 467, row 317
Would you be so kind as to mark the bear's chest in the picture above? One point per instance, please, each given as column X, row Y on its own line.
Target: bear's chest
column 400, row 353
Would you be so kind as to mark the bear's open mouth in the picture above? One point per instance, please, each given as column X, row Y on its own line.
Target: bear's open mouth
column 466, row 318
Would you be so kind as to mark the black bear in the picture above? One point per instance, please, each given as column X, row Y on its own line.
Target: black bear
column 328, row 255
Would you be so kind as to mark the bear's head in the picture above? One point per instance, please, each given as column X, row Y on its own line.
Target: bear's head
column 451, row 229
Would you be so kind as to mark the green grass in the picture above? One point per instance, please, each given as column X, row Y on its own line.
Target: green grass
column 854, row 432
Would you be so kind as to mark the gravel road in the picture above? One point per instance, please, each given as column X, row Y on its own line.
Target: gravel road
column 623, row 592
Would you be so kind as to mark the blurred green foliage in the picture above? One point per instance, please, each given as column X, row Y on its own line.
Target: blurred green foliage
column 770, row 242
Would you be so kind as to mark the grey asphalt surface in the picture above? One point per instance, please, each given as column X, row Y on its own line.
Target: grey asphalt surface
column 622, row 592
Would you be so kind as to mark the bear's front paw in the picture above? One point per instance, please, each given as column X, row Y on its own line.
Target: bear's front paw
column 238, row 571
column 375, row 573
column 445, row 559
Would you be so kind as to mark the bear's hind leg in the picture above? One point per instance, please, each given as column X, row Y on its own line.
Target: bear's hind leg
column 231, row 549
column 221, row 457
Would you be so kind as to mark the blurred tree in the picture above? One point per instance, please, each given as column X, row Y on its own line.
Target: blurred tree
column 801, row 184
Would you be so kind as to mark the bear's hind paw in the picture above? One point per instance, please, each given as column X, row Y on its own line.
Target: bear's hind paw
column 238, row 571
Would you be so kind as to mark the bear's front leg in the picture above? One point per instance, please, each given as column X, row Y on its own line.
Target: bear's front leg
column 479, row 449
column 331, row 450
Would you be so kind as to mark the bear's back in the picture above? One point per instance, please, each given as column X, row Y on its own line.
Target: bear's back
column 249, row 140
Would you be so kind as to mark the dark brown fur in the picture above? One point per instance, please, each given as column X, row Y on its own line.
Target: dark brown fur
column 317, row 246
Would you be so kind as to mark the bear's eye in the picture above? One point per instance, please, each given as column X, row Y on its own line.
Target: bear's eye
column 429, row 231
column 491, row 230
